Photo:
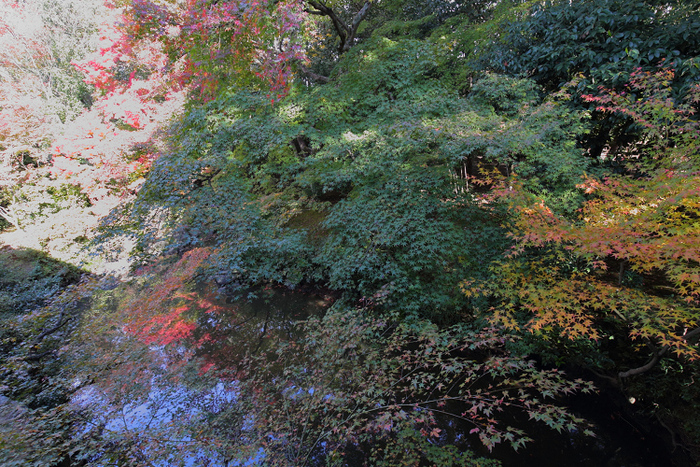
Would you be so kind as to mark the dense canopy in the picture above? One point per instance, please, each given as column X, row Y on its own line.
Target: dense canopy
column 478, row 194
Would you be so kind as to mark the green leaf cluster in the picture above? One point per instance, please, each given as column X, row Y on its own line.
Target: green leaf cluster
column 362, row 184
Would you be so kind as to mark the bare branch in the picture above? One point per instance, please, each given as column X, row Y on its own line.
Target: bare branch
column 59, row 325
column 648, row 366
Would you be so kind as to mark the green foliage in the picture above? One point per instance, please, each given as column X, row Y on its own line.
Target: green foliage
column 596, row 43
column 412, row 187
column 380, row 82
column 395, row 246
column 381, row 156
column 607, row 40
column 423, row 450
column 417, row 19
column 568, row 277
column 505, row 95
column 466, row 44
column 509, row 130
column 67, row 192
column 38, row 381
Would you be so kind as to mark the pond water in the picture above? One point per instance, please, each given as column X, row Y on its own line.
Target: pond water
column 158, row 413
column 180, row 394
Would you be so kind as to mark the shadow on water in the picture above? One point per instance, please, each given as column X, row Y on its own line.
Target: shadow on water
column 31, row 334
column 240, row 325
column 620, row 438
column 171, row 386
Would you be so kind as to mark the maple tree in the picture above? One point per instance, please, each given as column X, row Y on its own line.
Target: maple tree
column 41, row 91
column 113, row 140
column 160, row 55
column 631, row 257
column 211, row 44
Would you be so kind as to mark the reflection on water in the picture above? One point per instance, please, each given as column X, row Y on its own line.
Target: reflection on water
column 171, row 400
column 156, row 417
column 157, row 405
column 229, row 329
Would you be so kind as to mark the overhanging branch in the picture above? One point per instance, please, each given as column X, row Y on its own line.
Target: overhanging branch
column 312, row 75
column 657, row 356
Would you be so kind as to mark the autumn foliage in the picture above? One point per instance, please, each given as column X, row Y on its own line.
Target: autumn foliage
column 459, row 235
column 631, row 256
column 113, row 142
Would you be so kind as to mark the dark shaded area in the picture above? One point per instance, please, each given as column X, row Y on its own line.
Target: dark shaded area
column 29, row 278
column 623, row 438
column 31, row 335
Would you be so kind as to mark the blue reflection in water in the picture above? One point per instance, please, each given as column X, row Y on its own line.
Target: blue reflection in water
column 161, row 417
